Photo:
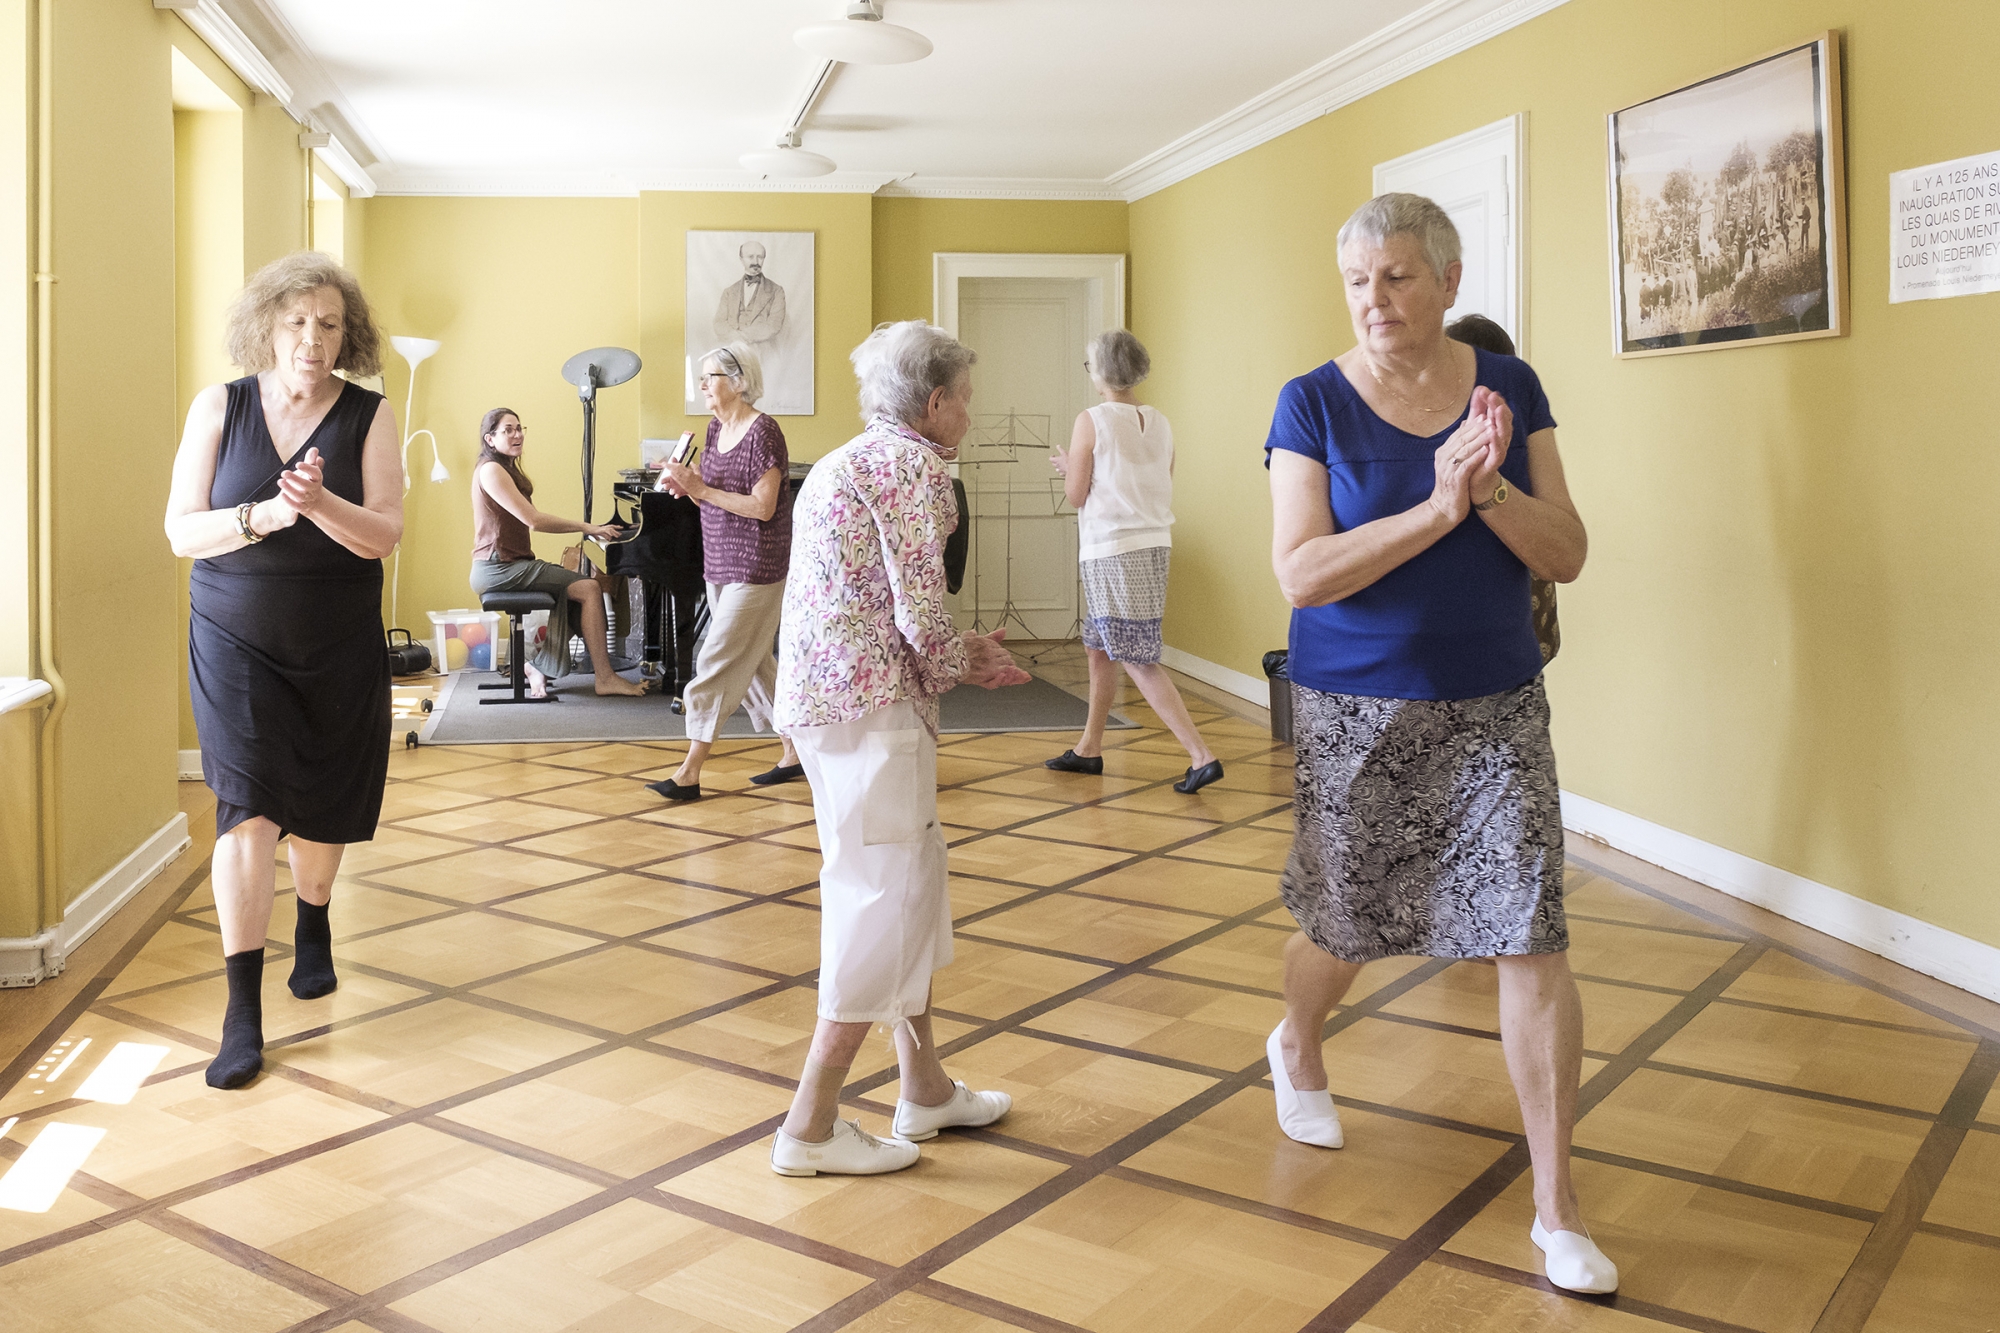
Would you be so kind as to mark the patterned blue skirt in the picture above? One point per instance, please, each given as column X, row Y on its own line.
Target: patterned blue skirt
column 1124, row 600
column 1428, row 827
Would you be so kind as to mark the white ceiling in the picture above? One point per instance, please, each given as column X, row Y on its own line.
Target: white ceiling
column 1042, row 98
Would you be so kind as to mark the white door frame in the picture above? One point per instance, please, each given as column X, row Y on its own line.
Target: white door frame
column 1104, row 273
column 1506, row 138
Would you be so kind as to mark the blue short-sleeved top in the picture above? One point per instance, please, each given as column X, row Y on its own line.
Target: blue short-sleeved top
column 1453, row 623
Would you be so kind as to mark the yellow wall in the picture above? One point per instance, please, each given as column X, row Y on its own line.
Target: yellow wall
column 114, row 418
column 17, row 209
column 512, row 288
column 1784, row 641
column 909, row 231
column 842, row 261
column 117, row 380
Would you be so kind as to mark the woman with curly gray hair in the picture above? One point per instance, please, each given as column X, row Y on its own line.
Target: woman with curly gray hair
column 869, row 645
column 287, row 493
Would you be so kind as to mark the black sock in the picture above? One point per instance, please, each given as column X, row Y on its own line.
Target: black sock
column 242, row 1053
column 312, row 957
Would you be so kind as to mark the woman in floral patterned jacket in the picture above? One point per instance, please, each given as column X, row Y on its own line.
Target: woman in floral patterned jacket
column 867, row 646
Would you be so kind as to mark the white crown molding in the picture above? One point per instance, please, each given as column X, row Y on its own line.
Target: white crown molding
column 214, row 26
column 312, row 90
column 605, row 185
column 999, row 187
column 328, row 148
column 1918, row 945
column 1436, row 32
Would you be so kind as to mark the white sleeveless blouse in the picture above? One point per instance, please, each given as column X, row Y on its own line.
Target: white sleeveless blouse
column 1131, row 502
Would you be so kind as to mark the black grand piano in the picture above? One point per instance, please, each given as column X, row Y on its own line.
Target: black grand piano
column 666, row 559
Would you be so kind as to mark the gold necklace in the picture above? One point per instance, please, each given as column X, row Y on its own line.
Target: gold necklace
column 1376, row 375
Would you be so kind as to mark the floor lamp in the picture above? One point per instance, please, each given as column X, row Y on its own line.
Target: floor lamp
column 415, row 351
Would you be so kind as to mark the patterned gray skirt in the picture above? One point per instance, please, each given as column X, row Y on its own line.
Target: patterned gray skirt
column 1428, row 827
column 1124, row 601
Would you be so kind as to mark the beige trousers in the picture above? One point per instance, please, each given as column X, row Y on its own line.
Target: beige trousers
column 737, row 664
column 884, row 886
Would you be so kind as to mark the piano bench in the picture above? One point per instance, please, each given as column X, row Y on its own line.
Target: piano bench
column 516, row 606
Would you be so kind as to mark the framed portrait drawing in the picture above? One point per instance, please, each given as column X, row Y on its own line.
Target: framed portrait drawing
column 1728, row 208
column 754, row 288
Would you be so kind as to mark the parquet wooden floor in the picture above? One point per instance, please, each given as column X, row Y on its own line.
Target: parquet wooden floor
column 543, row 1096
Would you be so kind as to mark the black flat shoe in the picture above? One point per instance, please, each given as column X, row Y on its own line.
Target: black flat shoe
column 1197, row 778
column 674, row 791
column 781, row 773
column 1069, row 761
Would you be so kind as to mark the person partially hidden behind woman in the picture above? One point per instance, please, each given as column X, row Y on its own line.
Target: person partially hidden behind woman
column 746, row 544
column 287, row 493
column 1415, row 485
column 503, row 514
column 1119, row 477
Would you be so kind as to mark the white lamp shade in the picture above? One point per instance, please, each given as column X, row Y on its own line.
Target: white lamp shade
column 439, row 472
column 415, row 350
column 858, row 42
column 787, row 163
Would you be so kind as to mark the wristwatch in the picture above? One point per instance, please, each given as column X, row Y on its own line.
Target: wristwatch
column 243, row 527
column 1499, row 497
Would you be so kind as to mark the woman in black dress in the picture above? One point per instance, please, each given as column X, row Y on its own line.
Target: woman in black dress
column 287, row 493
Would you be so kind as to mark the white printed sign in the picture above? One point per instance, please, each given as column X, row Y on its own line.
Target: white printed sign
column 1945, row 225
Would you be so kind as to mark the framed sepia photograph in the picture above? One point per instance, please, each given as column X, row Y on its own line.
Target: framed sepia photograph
column 1728, row 207
column 755, row 288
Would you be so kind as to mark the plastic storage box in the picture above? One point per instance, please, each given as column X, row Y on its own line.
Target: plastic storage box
column 463, row 639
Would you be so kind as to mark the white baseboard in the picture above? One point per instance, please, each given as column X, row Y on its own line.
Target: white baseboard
column 190, row 770
column 1962, row 962
column 26, row 962
column 1249, row 688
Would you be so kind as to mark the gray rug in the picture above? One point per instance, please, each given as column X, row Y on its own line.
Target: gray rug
column 459, row 719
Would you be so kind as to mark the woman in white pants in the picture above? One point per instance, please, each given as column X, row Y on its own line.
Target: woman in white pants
column 746, row 543
column 869, row 645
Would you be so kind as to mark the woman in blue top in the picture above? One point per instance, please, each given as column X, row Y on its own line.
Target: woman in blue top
column 1415, row 486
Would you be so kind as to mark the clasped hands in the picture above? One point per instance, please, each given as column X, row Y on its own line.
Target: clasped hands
column 1468, row 464
column 988, row 664
column 301, row 490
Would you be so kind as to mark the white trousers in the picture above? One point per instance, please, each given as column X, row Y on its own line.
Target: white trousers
column 885, row 909
column 737, row 665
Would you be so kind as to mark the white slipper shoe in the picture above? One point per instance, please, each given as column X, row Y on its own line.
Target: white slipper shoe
column 851, row 1151
column 1573, row 1261
column 966, row 1108
column 1308, row 1117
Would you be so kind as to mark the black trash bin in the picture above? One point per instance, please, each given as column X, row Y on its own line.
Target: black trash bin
column 1281, row 694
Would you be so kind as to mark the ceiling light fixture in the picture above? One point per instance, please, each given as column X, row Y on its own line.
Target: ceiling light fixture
column 862, row 38
column 787, row 161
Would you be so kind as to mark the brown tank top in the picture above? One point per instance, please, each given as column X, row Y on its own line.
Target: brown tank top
column 496, row 534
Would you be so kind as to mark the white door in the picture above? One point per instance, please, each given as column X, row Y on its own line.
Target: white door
column 1028, row 387
column 1476, row 178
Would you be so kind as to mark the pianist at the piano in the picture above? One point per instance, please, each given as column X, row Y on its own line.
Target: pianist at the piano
column 503, row 514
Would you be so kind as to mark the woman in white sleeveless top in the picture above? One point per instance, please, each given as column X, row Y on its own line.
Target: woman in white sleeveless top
column 1119, row 473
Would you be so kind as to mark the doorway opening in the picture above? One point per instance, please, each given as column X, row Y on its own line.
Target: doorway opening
column 1029, row 317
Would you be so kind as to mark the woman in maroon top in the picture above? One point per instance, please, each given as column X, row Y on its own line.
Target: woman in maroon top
column 746, row 539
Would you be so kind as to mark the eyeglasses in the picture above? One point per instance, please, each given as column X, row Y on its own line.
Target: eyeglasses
column 707, row 375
